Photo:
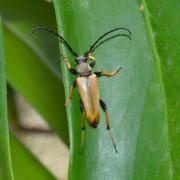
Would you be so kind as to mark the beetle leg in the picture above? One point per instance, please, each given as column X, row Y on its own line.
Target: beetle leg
column 104, row 108
column 104, row 73
column 92, row 64
column 72, row 70
column 83, row 126
column 70, row 93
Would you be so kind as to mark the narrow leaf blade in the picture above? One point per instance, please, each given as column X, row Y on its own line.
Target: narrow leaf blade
column 5, row 158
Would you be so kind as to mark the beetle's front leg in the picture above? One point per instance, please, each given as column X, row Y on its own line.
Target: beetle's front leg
column 105, row 73
column 70, row 93
column 92, row 64
column 72, row 70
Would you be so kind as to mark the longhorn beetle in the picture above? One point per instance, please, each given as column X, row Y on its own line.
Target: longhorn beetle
column 87, row 80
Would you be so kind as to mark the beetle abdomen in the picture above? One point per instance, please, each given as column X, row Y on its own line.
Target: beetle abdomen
column 88, row 91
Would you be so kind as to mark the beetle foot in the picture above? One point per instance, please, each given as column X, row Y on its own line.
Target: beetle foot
column 120, row 68
column 115, row 149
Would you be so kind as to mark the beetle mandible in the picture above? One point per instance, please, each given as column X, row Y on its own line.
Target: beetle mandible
column 87, row 80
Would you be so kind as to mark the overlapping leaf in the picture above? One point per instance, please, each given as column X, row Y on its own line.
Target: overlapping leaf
column 32, row 61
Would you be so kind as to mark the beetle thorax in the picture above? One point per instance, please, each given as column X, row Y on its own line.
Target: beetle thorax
column 83, row 69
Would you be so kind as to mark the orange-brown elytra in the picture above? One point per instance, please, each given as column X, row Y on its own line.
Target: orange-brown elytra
column 87, row 80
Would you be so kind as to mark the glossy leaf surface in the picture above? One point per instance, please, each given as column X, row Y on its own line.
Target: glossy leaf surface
column 164, row 17
column 136, row 99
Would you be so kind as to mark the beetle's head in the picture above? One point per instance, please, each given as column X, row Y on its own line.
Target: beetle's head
column 84, row 58
column 81, row 59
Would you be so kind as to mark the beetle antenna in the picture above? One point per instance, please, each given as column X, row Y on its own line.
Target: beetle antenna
column 62, row 40
column 93, row 47
column 109, row 38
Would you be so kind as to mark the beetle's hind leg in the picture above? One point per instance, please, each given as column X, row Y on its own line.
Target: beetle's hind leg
column 104, row 108
column 83, row 126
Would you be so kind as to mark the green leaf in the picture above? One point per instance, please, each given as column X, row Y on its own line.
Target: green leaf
column 164, row 18
column 5, row 160
column 136, row 99
column 25, row 165
column 22, row 22
column 32, row 67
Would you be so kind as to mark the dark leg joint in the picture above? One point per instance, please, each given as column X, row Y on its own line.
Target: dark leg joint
column 98, row 73
column 103, row 105
column 73, row 71
column 92, row 64
column 83, row 128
